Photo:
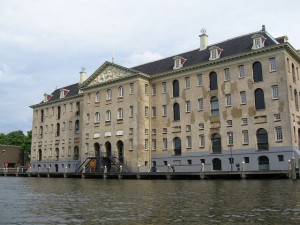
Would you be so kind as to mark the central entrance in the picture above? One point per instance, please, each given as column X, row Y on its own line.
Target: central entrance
column 108, row 155
column 120, row 147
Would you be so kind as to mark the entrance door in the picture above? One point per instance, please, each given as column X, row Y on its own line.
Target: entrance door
column 120, row 147
column 177, row 146
column 56, row 168
column 263, row 163
column 217, row 164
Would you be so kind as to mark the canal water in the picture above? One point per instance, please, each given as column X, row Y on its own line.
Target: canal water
column 98, row 201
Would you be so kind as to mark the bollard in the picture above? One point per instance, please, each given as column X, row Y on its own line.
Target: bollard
column 293, row 169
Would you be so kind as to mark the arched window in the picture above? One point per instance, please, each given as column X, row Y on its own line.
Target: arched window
column 175, row 88
column 41, row 131
column 263, row 163
column 213, row 81
column 77, row 126
column 120, row 113
column 257, row 72
column 216, row 143
column 217, row 164
column 58, row 112
column 57, row 154
column 262, row 139
column 177, row 146
column 40, row 155
column 293, row 73
column 42, row 115
column 97, row 97
column 214, row 106
column 121, row 91
column 259, row 99
column 109, row 94
column 76, row 153
column 108, row 115
column 97, row 117
column 296, row 100
column 78, row 108
column 176, row 111
column 57, row 129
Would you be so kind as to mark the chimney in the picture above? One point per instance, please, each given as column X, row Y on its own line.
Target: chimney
column 82, row 75
column 203, row 39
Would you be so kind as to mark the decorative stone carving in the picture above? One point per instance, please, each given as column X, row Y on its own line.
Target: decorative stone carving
column 109, row 73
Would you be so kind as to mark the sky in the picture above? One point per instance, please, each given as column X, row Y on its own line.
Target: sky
column 45, row 43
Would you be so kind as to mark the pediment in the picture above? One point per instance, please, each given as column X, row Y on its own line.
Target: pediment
column 106, row 73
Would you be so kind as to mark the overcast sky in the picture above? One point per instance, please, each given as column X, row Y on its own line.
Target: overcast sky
column 44, row 43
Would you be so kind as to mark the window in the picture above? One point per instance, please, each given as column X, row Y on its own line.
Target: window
column 214, row 105
column 108, row 94
column 97, row 117
column 146, row 131
column 296, row 100
column 131, row 144
column 176, row 111
column 188, row 106
column 230, row 138
column 146, row 89
column 175, row 88
column 257, row 72
column 165, row 130
column 131, row 111
column 201, row 126
column 86, row 148
column 259, row 99
column 201, row 141
column 187, row 83
column 189, row 142
column 164, row 110
column 262, row 139
column 189, row 162
column 244, row 121
column 108, row 115
column 293, row 73
column 228, row 99
column 97, row 97
column 120, row 114
column 154, row 131
column 277, row 117
column 121, row 91
column 280, row 158
column 153, row 89
column 146, row 111
column 246, row 159
column 243, row 97
column 200, row 104
column 229, row 123
column 242, row 71
column 275, row 93
column 216, row 143
column 199, row 79
column 153, row 111
column 130, row 130
column 165, row 143
column 57, row 129
column 257, row 43
column 272, row 63
column 279, row 136
column 153, row 144
column 213, row 54
column 245, row 136
column 58, row 112
column 164, row 87
column 131, row 88
column 188, row 128
column 226, row 74
column 77, row 127
column 146, row 144
column 213, row 81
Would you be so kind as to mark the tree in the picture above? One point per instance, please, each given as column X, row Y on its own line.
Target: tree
column 3, row 139
column 15, row 138
column 26, row 146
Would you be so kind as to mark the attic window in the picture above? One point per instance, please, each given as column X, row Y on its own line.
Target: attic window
column 63, row 93
column 178, row 62
column 258, row 41
column 215, row 52
column 47, row 97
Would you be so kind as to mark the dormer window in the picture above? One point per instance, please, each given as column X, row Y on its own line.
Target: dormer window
column 215, row 52
column 178, row 62
column 63, row 93
column 258, row 41
column 47, row 97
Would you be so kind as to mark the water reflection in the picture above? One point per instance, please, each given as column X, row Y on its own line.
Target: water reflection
column 91, row 201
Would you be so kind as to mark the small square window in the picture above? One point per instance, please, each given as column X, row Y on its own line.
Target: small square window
column 165, row 163
column 188, row 128
column 229, row 123
column 165, row 130
column 201, row 126
column 154, row 131
column 202, row 161
column 246, row 159
column 277, row 117
column 244, row 121
column 280, row 158
column 189, row 162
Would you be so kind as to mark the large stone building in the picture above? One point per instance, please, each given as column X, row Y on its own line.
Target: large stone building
column 222, row 107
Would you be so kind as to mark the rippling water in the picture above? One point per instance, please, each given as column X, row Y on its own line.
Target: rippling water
column 92, row 201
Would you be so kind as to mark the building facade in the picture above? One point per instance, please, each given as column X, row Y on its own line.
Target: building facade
column 229, row 106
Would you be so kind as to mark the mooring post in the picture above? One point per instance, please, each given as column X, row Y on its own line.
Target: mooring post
column 105, row 172
column 243, row 174
column 293, row 168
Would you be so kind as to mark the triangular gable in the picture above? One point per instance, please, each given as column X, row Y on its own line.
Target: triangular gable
column 108, row 72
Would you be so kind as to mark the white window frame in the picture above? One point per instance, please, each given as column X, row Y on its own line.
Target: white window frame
column 226, row 74
column 154, row 144
column 97, row 97
column 200, row 104
column 108, row 115
column 245, row 136
column 228, row 100
column 153, row 89
column 279, row 134
column 120, row 113
column 97, row 117
column 189, row 141
column 241, row 71
column 164, row 108
column 230, row 138
column 188, row 106
column 121, row 92
column 164, row 87
column 165, row 143
column 275, row 92
column 272, row 62
column 146, row 144
column 109, row 94
column 199, row 79
column 201, row 140
column 244, row 121
column 243, row 97
column 153, row 111
column 146, row 89
column 187, row 82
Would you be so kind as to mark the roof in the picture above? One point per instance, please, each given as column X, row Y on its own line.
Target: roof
column 238, row 45
column 73, row 90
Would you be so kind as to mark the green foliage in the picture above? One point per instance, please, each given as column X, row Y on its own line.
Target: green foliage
column 19, row 139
